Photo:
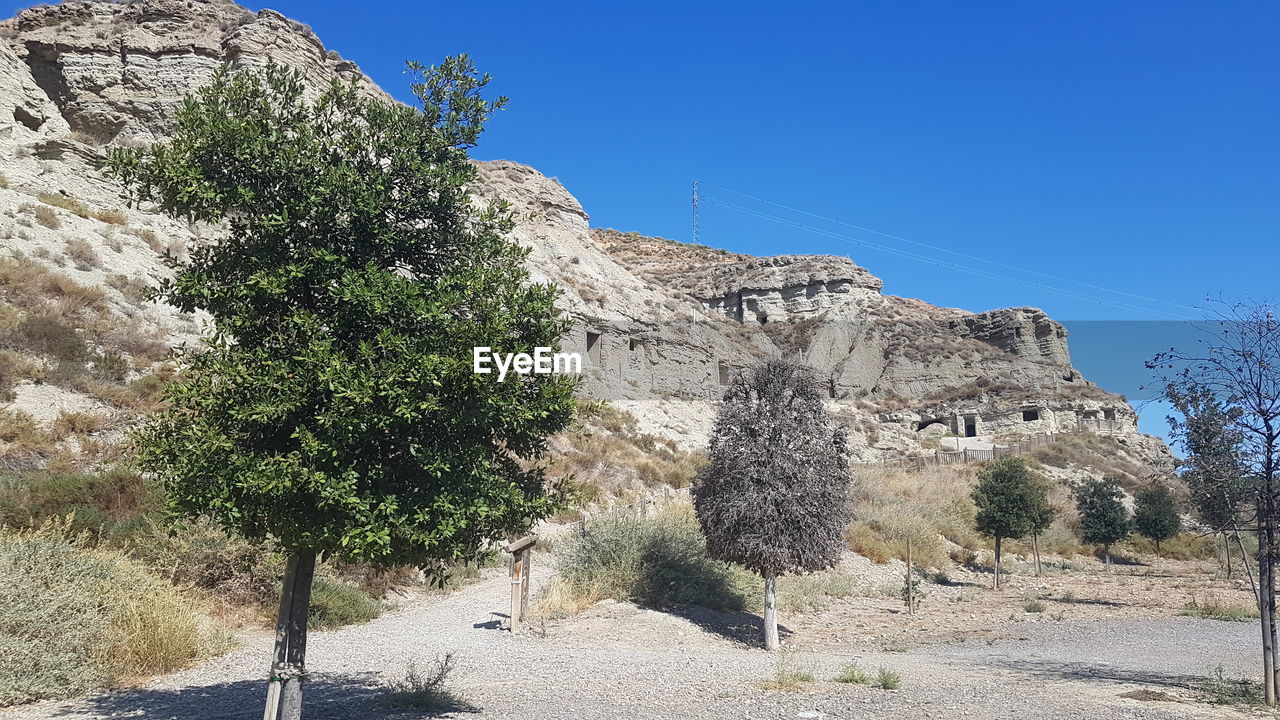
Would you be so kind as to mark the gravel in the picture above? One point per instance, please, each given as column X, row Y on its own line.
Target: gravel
column 618, row 661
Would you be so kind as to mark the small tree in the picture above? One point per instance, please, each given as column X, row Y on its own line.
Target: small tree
column 333, row 408
column 1238, row 366
column 1011, row 501
column 775, row 494
column 1214, row 467
column 1041, row 519
column 1104, row 520
column 1155, row 515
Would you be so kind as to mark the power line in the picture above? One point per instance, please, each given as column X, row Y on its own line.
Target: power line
column 934, row 261
column 957, row 253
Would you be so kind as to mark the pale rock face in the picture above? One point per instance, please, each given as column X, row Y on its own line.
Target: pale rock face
column 662, row 326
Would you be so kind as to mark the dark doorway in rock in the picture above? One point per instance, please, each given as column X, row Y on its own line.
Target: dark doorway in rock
column 722, row 372
column 971, row 427
column 1030, row 415
column 593, row 348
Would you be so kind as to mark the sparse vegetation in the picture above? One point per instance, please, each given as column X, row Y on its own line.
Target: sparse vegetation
column 1215, row 608
column 425, row 689
column 1222, row 690
column 82, row 254
column 65, row 202
column 660, row 560
column 887, row 679
column 86, row 618
column 335, row 603
column 854, row 675
column 789, row 674
column 111, row 217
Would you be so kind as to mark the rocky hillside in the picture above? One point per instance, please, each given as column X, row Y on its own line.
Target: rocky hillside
column 662, row 325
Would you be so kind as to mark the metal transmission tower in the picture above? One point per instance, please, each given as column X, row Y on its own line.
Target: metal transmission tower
column 697, row 231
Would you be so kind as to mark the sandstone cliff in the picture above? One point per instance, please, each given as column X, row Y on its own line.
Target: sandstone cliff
column 663, row 326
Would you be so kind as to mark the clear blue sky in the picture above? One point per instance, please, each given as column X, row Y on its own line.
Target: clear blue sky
column 1128, row 145
column 1131, row 146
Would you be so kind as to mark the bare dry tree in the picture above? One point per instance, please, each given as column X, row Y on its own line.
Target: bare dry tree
column 1238, row 365
column 775, row 494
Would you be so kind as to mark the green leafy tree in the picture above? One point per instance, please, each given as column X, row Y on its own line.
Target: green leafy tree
column 1104, row 520
column 1155, row 515
column 332, row 408
column 1219, row 484
column 1011, row 501
column 774, row 496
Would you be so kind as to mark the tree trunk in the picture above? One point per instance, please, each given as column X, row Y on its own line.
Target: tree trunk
column 284, row 691
column 1106, row 553
column 1035, row 548
column 770, row 613
column 1157, row 548
column 995, row 582
column 1244, row 561
column 1226, row 545
column 1264, row 616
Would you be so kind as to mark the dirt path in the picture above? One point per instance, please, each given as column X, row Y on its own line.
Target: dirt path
column 619, row 661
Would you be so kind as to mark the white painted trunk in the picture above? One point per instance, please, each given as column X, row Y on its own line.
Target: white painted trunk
column 770, row 613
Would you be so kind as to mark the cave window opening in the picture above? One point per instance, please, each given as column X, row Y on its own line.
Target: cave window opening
column 593, row 348
column 1030, row 415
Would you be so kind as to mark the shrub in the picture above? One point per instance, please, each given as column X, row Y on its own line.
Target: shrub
column 334, row 604
column 1034, row 606
column 1215, row 608
column 660, row 561
column 853, row 674
column 199, row 553
column 47, row 335
column 65, row 202
column 75, row 619
column 887, row 679
column 77, row 423
column 789, row 676
column 20, row 429
column 109, row 502
column 46, row 216
column 133, row 289
column 1222, row 690
column 111, row 217
column 4, row 181
column 82, row 254
column 425, row 690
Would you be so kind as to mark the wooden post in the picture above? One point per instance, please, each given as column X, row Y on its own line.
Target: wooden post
column 521, row 550
column 911, row 598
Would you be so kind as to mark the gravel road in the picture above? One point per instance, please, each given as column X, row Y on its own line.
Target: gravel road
column 618, row 661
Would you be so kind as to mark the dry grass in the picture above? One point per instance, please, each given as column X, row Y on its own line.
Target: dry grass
column 1099, row 453
column 82, row 254
column 926, row 506
column 44, row 215
column 67, row 203
column 613, row 461
column 83, row 618
column 111, row 217
column 77, row 423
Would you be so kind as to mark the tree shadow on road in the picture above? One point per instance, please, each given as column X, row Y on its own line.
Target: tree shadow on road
column 326, row 697
column 1087, row 671
column 743, row 628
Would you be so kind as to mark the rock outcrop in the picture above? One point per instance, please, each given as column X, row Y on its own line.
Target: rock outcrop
column 663, row 326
